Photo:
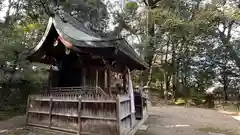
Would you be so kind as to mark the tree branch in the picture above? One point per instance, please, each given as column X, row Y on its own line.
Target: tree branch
column 145, row 2
column 46, row 7
column 151, row 3
column 155, row 2
column 229, row 30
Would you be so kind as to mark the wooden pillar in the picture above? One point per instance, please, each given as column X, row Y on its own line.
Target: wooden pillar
column 131, row 95
column 125, row 80
column 118, row 111
column 50, row 112
column 79, row 115
column 96, row 80
column 132, row 116
column 109, row 81
column 28, row 104
column 50, row 79
column 83, row 76
column 105, row 79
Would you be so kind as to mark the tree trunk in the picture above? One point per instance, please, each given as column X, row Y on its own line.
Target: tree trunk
column 150, row 50
column 174, row 71
column 166, row 74
column 225, row 84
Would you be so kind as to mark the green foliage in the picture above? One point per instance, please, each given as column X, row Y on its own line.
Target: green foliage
column 92, row 11
column 180, row 102
column 21, row 31
column 131, row 6
column 18, row 34
column 186, row 44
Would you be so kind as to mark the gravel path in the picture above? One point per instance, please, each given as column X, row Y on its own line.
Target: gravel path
column 171, row 120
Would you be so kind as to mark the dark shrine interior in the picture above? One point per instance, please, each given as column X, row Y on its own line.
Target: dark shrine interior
column 78, row 68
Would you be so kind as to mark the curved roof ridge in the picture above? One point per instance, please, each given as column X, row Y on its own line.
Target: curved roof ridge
column 82, row 37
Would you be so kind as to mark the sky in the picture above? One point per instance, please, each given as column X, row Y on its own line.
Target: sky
column 4, row 10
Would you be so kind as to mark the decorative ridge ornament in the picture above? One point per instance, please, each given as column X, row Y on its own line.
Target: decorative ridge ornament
column 67, row 51
column 55, row 43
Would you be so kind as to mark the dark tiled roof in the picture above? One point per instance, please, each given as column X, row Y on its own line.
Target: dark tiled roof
column 81, row 36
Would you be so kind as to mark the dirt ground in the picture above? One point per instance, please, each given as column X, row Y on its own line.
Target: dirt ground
column 172, row 120
column 12, row 124
column 166, row 120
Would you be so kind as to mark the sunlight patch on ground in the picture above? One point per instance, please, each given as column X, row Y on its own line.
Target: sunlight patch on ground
column 10, row 132
column 3, row 131
column 236, row 117
column 210, row 133
column 172, row 126
column 143, row 127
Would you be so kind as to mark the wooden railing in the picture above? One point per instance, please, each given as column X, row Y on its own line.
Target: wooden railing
column 81, row 113
column 78, row 90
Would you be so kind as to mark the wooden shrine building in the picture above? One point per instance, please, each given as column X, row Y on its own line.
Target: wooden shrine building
column 90, row 89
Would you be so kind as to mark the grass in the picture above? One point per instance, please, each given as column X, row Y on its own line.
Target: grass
column 231, row 107
column 216, row 130
column 5, row 115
